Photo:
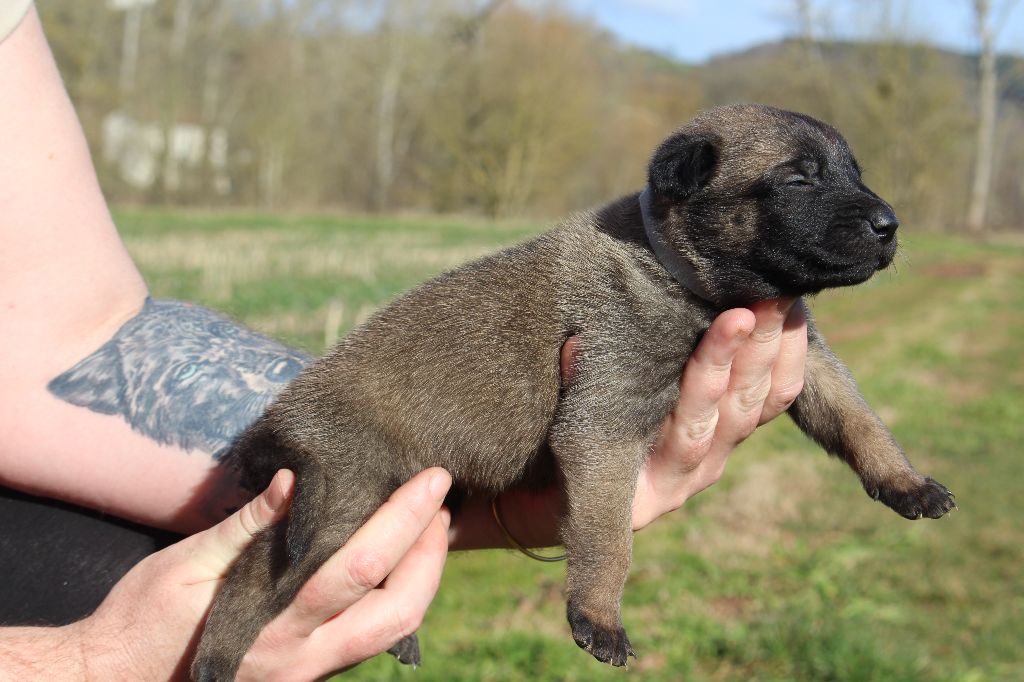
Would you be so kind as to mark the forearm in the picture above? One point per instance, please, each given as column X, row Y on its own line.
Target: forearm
column 81, row 651
column 138, row 426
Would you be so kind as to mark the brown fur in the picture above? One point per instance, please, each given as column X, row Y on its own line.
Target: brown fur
column 463, row 372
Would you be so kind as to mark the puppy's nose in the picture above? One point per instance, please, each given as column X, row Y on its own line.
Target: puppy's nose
column 883, row 223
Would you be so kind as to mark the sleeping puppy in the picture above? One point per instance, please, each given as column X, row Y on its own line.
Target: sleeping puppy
column 743, row 203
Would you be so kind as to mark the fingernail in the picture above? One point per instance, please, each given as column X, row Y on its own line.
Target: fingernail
column 274, row 494
column 439, row 483
column 446, row 517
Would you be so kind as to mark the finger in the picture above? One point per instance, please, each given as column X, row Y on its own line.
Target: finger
column 749, row 385
column 691, row 425
column 706, row 374
column 788, row 371
column 568, row 359
column 384, row 616
column 218, row 547
column 370, row 554
column 689, row 431
column 751, row 377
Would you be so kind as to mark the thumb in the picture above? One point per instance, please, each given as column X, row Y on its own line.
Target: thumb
column 218, row 547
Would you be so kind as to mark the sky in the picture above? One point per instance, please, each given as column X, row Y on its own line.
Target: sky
column 694, row 30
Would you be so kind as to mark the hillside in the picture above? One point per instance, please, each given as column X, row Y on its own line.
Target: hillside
column 838, row 54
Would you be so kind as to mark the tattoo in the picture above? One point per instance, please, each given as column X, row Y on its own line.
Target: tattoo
column 182, row 375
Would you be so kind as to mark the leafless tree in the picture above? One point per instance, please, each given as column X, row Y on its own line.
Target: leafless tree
column 988, row 98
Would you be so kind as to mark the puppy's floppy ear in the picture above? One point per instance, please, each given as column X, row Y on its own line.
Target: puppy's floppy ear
column 683, row 164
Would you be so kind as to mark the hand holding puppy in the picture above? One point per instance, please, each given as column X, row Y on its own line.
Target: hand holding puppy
column 747, row 370
column 148, row 626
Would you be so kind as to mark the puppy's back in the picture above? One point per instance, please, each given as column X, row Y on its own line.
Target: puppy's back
column 461, row 372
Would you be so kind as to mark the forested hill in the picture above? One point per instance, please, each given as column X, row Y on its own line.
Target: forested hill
column 443, row 107
column 960, row 66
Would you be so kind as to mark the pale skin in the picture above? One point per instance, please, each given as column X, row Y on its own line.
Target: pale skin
column 67, row 285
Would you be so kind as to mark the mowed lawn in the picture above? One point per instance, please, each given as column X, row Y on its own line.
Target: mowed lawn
column 785, row 570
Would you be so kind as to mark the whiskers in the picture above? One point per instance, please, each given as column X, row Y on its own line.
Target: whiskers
column 900, row 257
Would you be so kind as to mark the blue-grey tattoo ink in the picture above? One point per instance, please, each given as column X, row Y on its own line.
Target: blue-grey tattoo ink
column 182, row 375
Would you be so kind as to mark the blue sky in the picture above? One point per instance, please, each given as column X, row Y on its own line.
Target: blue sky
column 694, row 30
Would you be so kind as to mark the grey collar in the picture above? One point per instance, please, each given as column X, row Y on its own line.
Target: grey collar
column 677, row 266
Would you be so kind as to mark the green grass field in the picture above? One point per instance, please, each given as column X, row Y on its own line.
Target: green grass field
column 785, row 570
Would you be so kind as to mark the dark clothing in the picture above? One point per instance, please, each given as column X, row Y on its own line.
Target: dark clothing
column 58, row 561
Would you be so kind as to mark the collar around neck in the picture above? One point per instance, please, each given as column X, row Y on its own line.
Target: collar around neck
column 677, row 266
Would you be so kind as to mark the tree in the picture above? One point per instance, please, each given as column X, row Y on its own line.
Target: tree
column 985, row 31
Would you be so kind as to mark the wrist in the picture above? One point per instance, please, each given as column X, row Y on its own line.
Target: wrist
column 42, row 653
column 531, row 518
column 97, row 655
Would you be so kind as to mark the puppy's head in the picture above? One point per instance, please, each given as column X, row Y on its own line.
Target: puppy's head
column 764, row 203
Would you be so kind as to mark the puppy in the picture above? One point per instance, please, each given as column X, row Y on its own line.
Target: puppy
column 743, row 203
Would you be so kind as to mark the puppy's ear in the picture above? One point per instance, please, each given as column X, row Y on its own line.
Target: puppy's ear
column 683, row 164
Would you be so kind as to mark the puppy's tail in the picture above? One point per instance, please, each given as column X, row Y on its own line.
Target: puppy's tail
column 269, row 573
column 258, row 454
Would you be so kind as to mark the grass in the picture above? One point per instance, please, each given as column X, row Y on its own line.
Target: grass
column 785, row 570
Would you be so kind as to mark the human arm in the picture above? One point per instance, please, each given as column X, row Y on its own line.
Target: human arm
column 67, row 285
column 148, row 625
column 110, row 400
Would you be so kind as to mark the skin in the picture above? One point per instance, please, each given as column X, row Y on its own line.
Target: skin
column 67, row 285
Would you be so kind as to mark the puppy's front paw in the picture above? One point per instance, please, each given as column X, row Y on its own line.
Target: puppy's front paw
column 407, row 651
column 927, row 498
column 607, row 644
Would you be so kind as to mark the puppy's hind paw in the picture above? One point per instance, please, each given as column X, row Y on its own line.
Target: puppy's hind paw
column 407, row 650
column 608, row 645
column 927, row 498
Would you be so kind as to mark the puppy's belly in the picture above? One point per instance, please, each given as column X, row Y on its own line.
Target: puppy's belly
column 486, row 451
column 479, row 407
